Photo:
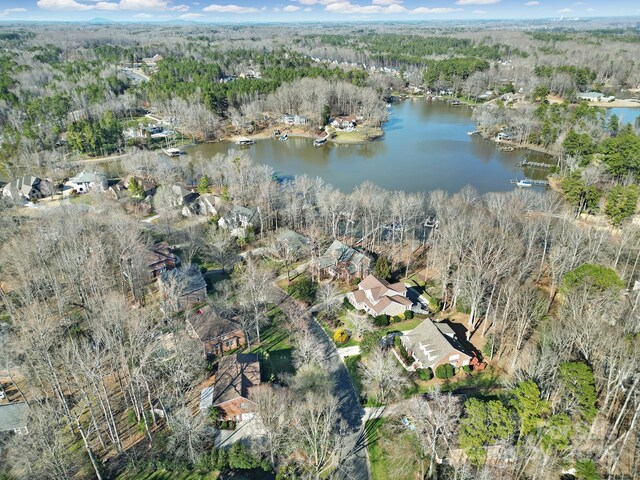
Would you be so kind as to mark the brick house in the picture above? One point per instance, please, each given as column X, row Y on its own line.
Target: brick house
column 159, row 259
column 217, row 334
column 235, row 377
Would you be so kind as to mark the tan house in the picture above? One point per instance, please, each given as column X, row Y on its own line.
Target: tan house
column 343, row 262
column 235, row 377
column 218, row 335
column 432, row 344
column 378, row 297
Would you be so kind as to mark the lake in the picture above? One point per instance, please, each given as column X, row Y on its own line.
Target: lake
column 425, row 147
column 625, row 114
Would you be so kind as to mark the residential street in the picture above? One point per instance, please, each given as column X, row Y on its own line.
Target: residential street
column 354, row 462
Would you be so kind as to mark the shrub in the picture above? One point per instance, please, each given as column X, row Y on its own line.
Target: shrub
column 445, row 371
column 347, row 304
column 241, row 459
column 425, row 374
column 466, row 369
column 341, row 336
column 224, row 425
column 396, row 319
column 434, row 304
column 369, row 341
column 381, row 321
column 408, row 315
column 408, row 359
column 231, row 425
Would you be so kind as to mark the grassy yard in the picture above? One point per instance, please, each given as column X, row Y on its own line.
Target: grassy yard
column 484, row 383
column 275, row 350
column 353, row 365
column 393, row 451
column 405, row 325
column 163, row 474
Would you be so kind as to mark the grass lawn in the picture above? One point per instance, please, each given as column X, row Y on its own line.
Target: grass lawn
column 484, row 383
column 393, row 451
column 163, row 474
column 353, row 366
column 403, row 326
column 275, row 350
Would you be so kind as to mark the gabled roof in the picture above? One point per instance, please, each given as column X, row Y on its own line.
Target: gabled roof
column 89, row 177
column 188, row 279
column 338, row 253
column 431, row 342
column 160, row 252
column 236, row 375
column 208, row 325
column 13, row 416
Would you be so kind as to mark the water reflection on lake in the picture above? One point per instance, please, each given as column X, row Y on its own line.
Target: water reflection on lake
column 425, row 147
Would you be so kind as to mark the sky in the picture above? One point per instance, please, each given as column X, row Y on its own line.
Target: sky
column 310, row 10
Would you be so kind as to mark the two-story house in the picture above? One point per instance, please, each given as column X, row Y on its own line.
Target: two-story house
column 378, row 297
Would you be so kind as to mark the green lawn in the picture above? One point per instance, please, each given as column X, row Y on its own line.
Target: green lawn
column 275, row 350
column 403, row 326
column 393, row 451
column 163, row 474
column 353, row 366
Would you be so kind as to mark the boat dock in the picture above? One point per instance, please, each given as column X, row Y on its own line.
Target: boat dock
column 320, row 141
column 526, row 163
column 527, row 182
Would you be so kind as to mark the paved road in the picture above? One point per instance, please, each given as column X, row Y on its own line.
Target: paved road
column 354, row 463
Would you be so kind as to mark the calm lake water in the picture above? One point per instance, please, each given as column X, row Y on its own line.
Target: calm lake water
column 425, row 147
column 625, row 114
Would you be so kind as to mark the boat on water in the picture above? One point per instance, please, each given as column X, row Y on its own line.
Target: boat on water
column 245, row 141
column 524, row 183
column 475, row 132
column 318, row 142
column 284, row 137
column 173, row 152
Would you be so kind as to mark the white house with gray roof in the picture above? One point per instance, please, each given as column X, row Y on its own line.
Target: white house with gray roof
column 432, row 344
column 13, row 418
column 85, row 182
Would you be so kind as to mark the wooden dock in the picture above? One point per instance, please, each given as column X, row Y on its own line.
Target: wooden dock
column 525, row 163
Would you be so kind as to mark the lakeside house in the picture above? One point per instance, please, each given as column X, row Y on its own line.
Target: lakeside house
column 209, row 204
column 238, row 219
column 343, row 262
column 217, row 335
column 159, row 259
column 236, row 376
column 186, row 199
column 29, row 188
column 185, row 286
column 121, row 189
column 592, row 96
column 376, row 296
column 432, row 344
column 294, row 119
column 346, row 122
column 85, row 182
column 13, row 418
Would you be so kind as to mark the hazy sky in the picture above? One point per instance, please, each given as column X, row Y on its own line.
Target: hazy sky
column 309, row 10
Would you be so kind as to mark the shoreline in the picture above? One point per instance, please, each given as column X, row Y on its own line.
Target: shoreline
column 265, row 134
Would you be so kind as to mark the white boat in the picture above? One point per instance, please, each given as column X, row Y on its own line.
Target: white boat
column 319, row 142
column 524, row 183
column 284, row 137
column 475, row 132
column 244, row 141
column 173, row 152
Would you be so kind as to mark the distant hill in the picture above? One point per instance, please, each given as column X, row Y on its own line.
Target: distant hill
column 99, row 20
